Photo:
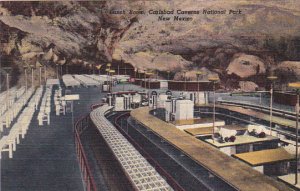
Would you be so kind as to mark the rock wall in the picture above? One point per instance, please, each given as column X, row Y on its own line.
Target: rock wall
column 77, row 34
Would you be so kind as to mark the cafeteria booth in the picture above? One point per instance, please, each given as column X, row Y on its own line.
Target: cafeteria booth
column 272, row 162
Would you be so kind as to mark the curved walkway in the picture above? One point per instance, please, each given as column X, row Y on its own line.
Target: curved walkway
column 142, row 175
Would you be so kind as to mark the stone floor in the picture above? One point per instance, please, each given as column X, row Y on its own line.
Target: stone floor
column 46, row 159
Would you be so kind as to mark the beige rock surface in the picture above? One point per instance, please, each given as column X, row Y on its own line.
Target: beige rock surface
column 289, row 69
column 247, row 86
column 80, row 32
column 244, row 66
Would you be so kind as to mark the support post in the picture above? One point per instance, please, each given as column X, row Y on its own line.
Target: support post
column 297, row 124
column 271, row 108
column 32, row 77
column 26, row 83
column 56, row 71
column 45, row 74
column 40, row 71
column 214, row 112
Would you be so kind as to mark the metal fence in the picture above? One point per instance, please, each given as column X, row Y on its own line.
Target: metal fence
column 87, row 176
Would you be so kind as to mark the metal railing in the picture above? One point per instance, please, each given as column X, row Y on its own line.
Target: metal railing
column 87, row 176
column 278, row 112
column 94, row 106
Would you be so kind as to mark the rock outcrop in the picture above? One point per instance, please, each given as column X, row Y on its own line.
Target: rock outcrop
column 289, row 69
column 248, row 86
column 245, row 66
column 75, row 33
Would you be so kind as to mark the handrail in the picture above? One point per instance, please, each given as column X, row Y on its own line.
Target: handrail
column 251, row 122
column 96, row 105
column 83, row 163
column 276, row 111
